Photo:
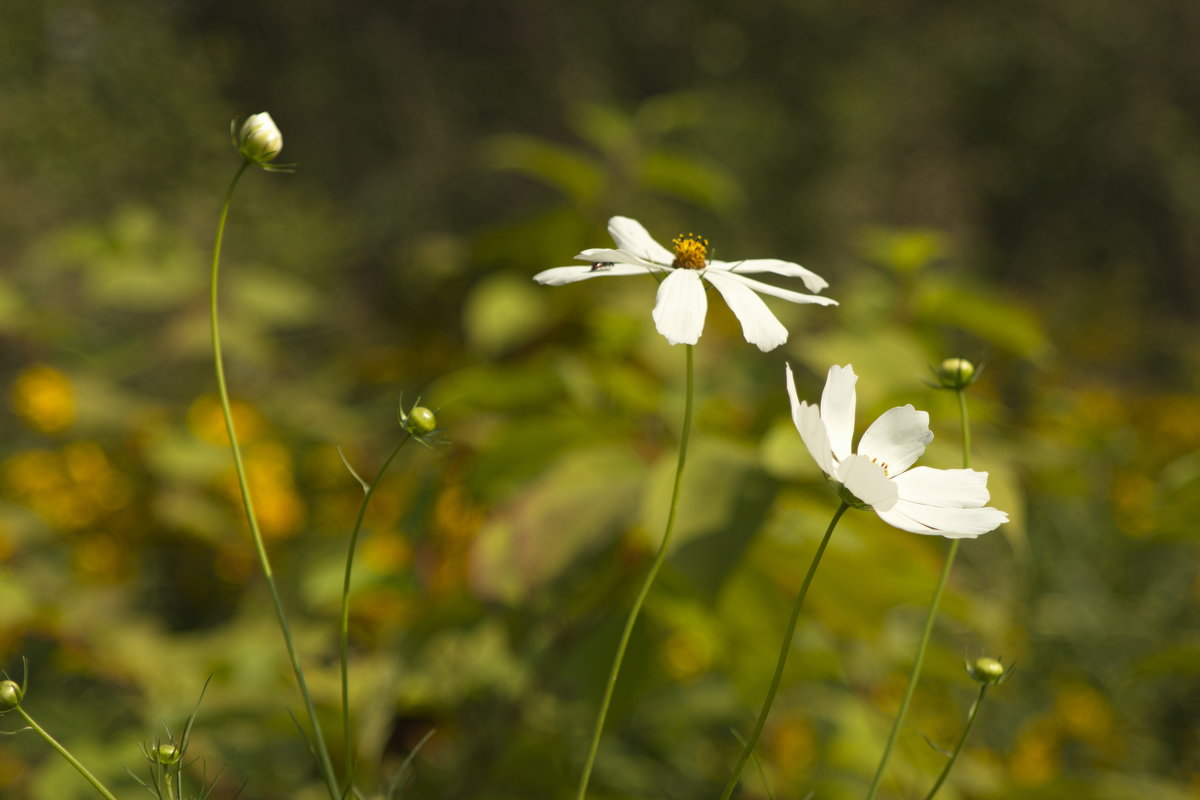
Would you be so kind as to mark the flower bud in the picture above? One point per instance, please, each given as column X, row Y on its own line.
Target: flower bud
column 166, row 754
column 987, row 671
column 420, row 421
column 10, row 695
column 955, row 373
column 259, row 139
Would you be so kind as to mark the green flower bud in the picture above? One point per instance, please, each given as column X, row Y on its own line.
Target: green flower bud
column 259, row 139
column 166, row 754
column 987, row 671
column 955, row 373
column 420, row 421
column 10, row 695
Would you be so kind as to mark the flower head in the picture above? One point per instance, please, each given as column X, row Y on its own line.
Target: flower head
column 682, row 303
column 956, row 374
column 942, row 502
column 419, row 422
column 988, row 671
column 258, row 139
column 11, row 695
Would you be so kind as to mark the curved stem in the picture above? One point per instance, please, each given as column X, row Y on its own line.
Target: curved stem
column 322, row 752
column 345, row 623
column 929, row 620
column 961, row 741
column 748, row 750
column 645, row 590
column 62, row 751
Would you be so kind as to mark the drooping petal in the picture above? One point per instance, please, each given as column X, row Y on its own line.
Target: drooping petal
column 632, row 237
column 807, row 419
column 681, row 306
column 897, row 438
column 867, row 481
column 812, row 280
column 759, row 325
column 953, row 523
column 557, row 276
column 837, row 408
column 949, row 488
column 783, row 294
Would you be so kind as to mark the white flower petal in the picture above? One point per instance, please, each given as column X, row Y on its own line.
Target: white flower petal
column 558, row 276
column 953, row 523
column 949, row 488
column 681, row 306
column 897, row 438
column 807, row 420
column 632, row 237
column 867, row 481
column 759, row 325
column 783, row 294
column 812, row 280
column 837, row 409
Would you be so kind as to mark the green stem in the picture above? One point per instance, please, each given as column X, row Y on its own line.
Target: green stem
column 961, row 741
column 345, row 625
column 929, row 620
column 62, row 751
column 645, row 590
column 322, row 752
column 966, row 427
column 748, row 750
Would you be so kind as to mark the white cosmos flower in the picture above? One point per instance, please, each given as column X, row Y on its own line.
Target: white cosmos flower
column 942, row 502
column 682, row 302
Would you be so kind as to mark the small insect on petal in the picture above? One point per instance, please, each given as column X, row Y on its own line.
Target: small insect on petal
column 600, row 266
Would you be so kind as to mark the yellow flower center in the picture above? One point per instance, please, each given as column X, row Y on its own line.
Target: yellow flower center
column 691, row 252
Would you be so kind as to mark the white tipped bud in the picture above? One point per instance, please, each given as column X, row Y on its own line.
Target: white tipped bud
column 259, row 138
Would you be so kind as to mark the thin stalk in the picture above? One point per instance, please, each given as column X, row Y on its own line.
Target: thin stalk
column 62, row 751
column 916, row 668
column 929, row 620
column 966, row 427
column 645, row 590
column 748, row 750
column 961, row 741
column 322, row 752
column 368, row 491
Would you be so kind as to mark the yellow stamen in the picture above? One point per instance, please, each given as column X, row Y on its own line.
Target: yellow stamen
column 691, row 252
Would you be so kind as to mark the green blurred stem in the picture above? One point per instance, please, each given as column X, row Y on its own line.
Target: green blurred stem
column 966, row 427
column 368, row 491
column 645, row 590
column 748, row 750
column 322, row 752
column 915, row 676
column 62, row 751
column 961, row 741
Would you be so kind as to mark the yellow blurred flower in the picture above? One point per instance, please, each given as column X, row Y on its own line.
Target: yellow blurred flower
column 278, row 507
column 1084, row 713
column 44, row 398
column 791, row 744
column 70, row 489
column 686, row 657
column 1035, row 759
column 386, row 553
column 206, row 420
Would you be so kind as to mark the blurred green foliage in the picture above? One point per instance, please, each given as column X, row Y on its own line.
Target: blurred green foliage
column 1012, row 183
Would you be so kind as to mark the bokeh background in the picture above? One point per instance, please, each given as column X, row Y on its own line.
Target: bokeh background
column 1018, row 183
